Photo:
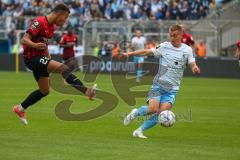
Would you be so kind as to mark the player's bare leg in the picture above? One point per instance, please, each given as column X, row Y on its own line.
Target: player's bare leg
column 57, row 67
column 139, row 72
column 153, row 120
column 72, row 64
column 156, row 107
column 38, row 61
column 44, row 87
column 153, row 105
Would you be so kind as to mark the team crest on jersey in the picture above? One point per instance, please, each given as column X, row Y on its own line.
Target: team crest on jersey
column 158, row 46
column 35, row 24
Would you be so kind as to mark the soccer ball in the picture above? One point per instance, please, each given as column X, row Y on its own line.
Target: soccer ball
column 166, row 118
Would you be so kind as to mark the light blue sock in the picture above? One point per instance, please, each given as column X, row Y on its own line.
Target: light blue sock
column 152, row 121
column 139, row 73
column 142, row 111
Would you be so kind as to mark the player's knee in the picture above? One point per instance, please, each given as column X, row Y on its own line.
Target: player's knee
column 152, row 109
column 45, row 92
column 165, row 106
column 154, row 102
column 65, row 70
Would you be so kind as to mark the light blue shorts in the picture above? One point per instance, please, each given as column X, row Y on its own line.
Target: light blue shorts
column 161, row 95
column 138, row 59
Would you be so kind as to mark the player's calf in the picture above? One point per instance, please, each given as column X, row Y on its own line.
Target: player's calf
column 76, row 83
column 32, row 99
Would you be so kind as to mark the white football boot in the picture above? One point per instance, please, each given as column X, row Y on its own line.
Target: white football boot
column 139, row 133
column 130, row 117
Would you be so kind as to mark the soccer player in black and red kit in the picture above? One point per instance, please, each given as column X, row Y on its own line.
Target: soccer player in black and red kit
column 237, row 53
column 37, row 58
column 68, row 42
column 188, row 39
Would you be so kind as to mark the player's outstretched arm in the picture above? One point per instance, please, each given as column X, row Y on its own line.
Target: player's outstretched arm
column 28, row 42
column 195, row 69
column 143, row 52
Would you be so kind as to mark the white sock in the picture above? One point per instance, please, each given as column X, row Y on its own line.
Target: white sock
column 21, row 108
column 140, row 129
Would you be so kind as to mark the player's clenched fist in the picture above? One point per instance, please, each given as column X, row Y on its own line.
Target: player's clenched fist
column 196, row 70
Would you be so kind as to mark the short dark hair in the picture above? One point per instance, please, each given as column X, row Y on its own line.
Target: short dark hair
column 138, row 29
column 61, row 7
column 176, row 28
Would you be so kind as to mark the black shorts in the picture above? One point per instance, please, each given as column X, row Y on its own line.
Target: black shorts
column 38, row 65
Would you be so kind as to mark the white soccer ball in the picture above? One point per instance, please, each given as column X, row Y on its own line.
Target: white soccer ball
column 166, row 118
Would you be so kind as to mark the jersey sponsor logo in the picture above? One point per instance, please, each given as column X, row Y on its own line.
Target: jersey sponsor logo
column 46, row 32
column 44, row 40
column 35, row 24
column 184, row 56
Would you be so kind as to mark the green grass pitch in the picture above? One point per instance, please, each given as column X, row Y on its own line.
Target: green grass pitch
column 208, row 126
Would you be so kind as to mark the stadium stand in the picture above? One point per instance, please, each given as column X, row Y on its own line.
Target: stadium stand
column 84, row 10
column 15, row 16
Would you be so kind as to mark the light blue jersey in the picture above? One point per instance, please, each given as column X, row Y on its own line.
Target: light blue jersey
column 172, row 62
column 138, row 43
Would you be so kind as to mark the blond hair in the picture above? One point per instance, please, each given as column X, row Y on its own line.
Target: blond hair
column 176, row 28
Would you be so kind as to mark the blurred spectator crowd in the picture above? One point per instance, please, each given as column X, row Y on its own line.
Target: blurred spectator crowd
column 84, row 10
column 17, row 14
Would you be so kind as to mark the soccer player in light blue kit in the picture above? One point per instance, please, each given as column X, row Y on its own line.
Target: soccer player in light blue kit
column 138, row 43
column 173, row 57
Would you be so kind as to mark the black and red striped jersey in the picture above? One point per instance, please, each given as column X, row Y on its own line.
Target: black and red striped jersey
column 238, row 44
column 40, row 31
column 188, row 39
column 69, row 39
